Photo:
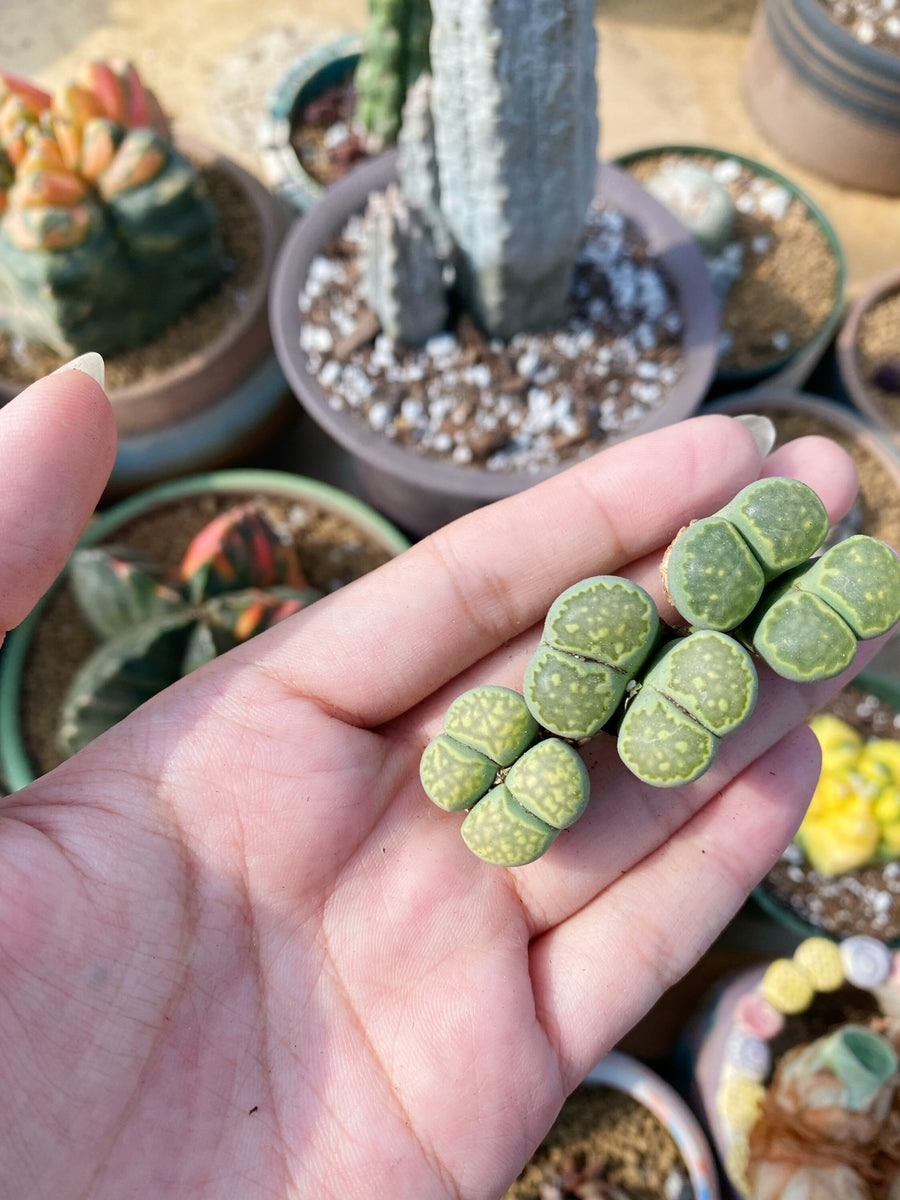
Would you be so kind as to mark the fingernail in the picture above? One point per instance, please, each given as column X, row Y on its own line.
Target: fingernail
column 90, row 363
column 761, row 430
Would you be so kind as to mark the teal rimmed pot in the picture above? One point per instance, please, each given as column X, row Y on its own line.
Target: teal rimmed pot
column 775, row 283
column 338, row 538
column 826, row 100
column 305, row 80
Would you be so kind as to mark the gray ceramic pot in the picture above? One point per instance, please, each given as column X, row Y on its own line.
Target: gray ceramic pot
column 421, row 493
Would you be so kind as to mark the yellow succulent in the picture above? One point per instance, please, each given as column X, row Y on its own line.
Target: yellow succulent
column 854, row 815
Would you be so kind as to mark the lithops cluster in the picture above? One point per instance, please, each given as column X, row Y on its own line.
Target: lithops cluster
column 853, row 818
column 605, row 661
column 831, row 1082
column 106, row 231
column 520, row 792
column 236, row 579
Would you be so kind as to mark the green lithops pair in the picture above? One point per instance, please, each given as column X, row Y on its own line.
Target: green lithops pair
column 745, row 582
column 520, row 792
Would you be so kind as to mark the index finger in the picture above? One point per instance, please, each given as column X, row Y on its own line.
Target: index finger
column 391, row 638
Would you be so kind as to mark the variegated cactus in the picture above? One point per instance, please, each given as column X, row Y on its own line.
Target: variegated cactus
column 89, row 181
column 514, row 115
column 236, row 579
column 605, row 662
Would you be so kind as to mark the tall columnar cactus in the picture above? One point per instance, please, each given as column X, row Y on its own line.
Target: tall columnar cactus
column 669, row 695
column 236, row 579
column 106, row 232
column 394, row 55
column 514, row 109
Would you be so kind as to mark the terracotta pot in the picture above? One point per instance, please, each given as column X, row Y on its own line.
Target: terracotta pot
column 793, row 367
column 729, row 1047
column 824, row 99
column 368, row 526
column 858, row 388
column 216, row 404
column 308, row 77
column 421, row 493
column 637, row 1080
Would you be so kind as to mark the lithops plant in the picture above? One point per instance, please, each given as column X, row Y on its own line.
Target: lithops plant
column 669, row 695
column 236, row 579
column 107, row 233
column 512, row 178
column 394, row 55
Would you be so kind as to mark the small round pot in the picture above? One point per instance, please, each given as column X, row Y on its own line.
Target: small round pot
column 308, row 77
column 732, row 1044
column 219, row 402
column 794, row 366
column 368, row 525
column 857, row 387
column 824, row 99
column 631, row 1076
column 421, row 493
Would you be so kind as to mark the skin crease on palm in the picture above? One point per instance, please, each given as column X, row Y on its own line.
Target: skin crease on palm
column 241, row 955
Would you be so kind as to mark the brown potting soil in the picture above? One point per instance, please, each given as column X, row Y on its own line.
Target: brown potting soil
column 877, row 509
column 323, row 136
column 193, row 330
column 865, row 901
column 878, row 343
column 532, row 403
column 604, row 1144
column 872, row 22
column 333, row 551
column 788, row 278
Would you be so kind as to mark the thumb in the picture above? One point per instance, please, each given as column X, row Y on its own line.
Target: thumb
column 57, row 447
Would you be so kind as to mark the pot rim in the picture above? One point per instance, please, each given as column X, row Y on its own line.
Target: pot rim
column 273, row 223
column 629, row 1075
column 877, row 289
column 748, row 374
column 667, row 238
column 15, row 764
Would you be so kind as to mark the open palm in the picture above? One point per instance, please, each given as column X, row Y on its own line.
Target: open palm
column 241, row 956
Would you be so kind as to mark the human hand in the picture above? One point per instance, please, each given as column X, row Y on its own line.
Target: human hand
column 242, row 956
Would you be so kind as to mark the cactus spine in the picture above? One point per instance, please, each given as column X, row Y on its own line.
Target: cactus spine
column 394, row 55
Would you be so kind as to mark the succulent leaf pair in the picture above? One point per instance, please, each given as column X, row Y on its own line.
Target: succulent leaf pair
column 236, row 579
column 605, row 662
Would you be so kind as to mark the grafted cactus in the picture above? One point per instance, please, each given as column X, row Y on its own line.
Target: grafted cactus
column 401, row 273
column 106, row 233
column 236, row 579
column 669, row 696
column 514, row 108
column 394, row 55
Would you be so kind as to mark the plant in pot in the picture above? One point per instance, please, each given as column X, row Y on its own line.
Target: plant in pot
column 506, row 308
column 776, row 260
column 115, row 239
column 868, row 353
column 342, row 102
column 795, row 1073
column 822, row 82
column 160, row 583
column 623, row 1134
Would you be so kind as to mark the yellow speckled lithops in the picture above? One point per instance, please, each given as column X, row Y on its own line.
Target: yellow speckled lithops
column 787, row 987
column 820, row 960
column 854, row 815
column 550, row 781
column 500, row 831
column 493, row 720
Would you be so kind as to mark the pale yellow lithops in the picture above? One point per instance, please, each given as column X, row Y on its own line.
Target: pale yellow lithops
column 787, row 987
column 820, row 961
column 493, row 720
column 500, row 831
column 551, row 782
column 738, row 1099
